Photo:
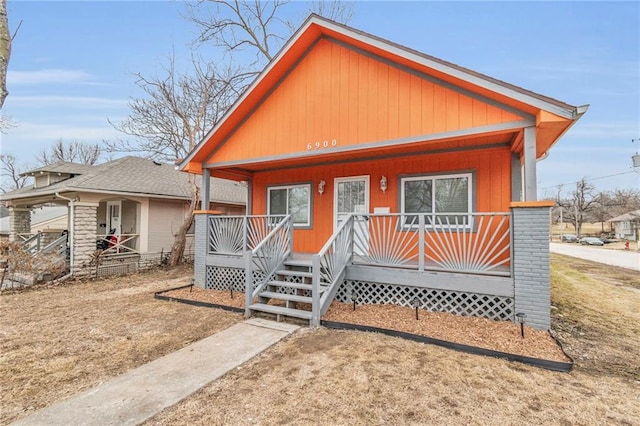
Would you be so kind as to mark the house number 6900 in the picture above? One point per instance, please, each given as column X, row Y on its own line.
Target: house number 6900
column 324, row 144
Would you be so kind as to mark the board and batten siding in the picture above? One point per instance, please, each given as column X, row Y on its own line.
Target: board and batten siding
column 165, row 218
column 491, row 168
column 337, row 93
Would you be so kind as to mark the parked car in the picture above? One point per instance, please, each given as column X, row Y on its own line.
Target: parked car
column 591, row 241
column 569, row 238
column 607, row 240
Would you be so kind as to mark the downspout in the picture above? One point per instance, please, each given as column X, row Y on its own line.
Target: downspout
column 71, row 230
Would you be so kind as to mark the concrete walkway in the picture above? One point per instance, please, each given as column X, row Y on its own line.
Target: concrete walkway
column 135, row 396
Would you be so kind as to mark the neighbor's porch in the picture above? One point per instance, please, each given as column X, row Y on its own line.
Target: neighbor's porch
column 100, row 236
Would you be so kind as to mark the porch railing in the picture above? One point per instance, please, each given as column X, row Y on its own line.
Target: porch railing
column 121, row 244
column 477, row 243
column 31, row 243
column 329, row 267
column 268, row 255
column 58, row 246
column 233, row 235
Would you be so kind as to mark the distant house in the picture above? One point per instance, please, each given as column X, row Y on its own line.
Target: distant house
column 380, row 174
column 129, row 207
column 626, row 226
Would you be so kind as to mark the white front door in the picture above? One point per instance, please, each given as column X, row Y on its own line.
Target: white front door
column 114, row 209
column 351, row 195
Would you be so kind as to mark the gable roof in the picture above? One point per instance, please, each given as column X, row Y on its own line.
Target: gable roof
column 316, row 28
column 627, row 217
column 129, row 176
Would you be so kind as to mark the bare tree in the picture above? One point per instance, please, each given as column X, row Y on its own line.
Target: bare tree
column 179, row 109
column 579, row 203
column 73, row 152
column 624, row 200
column 11, row 179
column 5, row 51
column 176, row 113
column 255, row 26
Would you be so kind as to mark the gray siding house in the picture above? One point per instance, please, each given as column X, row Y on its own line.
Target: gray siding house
column 129, row 208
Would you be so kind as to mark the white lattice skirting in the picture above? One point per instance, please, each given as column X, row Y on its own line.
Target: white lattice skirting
column 369, row 293
column 224, row 279
column 219, row 278
column 454, row 302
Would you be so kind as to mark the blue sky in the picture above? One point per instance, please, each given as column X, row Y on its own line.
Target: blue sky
column 72, row 65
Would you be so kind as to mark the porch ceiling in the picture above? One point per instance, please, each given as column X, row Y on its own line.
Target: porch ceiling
column 322, row 156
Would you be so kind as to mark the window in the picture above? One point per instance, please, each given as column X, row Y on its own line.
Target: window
column 294, row 200
column 436, row 195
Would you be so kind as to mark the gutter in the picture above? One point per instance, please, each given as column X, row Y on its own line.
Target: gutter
column 71, row 233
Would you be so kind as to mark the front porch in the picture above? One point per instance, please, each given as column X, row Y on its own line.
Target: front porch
column 462, row 264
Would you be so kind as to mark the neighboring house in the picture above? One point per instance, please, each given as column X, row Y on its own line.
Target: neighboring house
column 627, row 225
column 129, row 207
column 381, row 174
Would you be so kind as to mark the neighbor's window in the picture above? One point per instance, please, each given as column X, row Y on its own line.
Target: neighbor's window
column 294, row 200
column 435, row 195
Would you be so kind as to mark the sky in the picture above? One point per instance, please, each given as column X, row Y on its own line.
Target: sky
column 73, row 64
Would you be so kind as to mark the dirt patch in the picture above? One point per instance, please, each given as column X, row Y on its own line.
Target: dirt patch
column 58, row 341
column 503, row 336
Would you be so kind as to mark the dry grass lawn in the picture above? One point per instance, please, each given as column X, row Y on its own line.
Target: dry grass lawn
column 58, row 341
column 333, row 377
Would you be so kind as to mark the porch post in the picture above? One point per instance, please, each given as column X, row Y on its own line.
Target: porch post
column 206, row 189
column 201, row 249
column 19, row 222
column 83, row 237
column 530, row 178
column 421, row 231
column 530, row 222
column 516, row 178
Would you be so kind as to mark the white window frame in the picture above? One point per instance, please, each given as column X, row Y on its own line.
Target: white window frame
column 307, row 224
column 433, row 178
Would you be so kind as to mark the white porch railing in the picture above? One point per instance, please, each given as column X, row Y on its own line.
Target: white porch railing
column 121, row 244
column 58, row 246
column 329, row 267
column 31, row 243
column 237, row 234
column 477, row 243
column 267, row 256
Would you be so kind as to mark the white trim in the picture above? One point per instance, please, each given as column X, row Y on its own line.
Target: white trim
column 433, row 178
column 367, row 196
column 307, row 224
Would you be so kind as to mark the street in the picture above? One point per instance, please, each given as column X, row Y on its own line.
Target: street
column 624, row 259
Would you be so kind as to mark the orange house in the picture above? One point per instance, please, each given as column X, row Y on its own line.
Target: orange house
column 380, row 174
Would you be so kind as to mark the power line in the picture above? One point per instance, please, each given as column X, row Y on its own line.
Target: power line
column 588, row 179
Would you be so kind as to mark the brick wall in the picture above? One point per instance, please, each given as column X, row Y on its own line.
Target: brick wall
column 531, row 265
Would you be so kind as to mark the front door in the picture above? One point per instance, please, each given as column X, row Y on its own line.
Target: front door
column 114, row 209
column 351, row 195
